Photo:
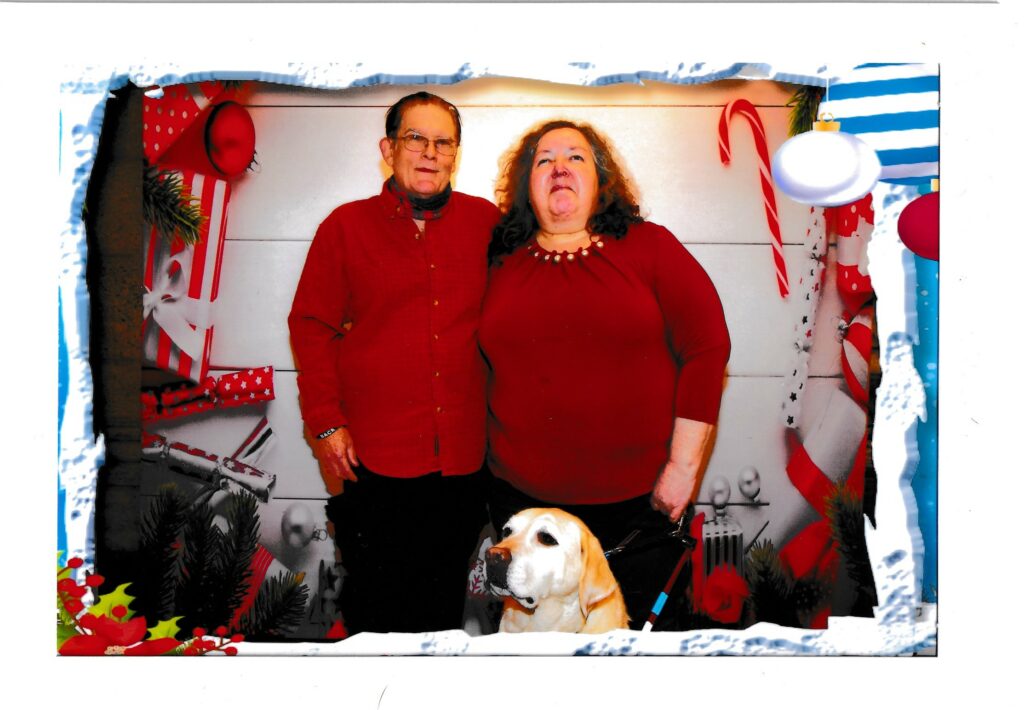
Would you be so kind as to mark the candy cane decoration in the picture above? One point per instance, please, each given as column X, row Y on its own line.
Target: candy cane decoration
column 747, row 110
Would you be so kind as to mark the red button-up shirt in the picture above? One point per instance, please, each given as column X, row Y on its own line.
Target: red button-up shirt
column 384, row 332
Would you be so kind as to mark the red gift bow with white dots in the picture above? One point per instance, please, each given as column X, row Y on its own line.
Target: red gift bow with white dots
column 233, row 389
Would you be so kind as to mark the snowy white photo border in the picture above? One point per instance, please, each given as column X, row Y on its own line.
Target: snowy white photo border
column 902, row 625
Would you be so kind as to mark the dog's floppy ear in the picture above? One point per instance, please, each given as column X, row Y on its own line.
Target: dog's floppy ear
column 597, row 582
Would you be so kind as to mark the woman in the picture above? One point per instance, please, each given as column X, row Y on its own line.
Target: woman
column 607, row 346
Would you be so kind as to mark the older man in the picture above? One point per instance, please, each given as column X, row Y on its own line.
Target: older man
column 391, row 382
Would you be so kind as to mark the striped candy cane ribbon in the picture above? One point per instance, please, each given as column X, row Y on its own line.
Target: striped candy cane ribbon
column 747, row 110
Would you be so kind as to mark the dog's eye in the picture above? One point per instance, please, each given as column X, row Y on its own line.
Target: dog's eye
column 545, row 538
column 505, row 532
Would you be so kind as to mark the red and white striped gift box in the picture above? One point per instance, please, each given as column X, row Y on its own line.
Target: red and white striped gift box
column 181, row 284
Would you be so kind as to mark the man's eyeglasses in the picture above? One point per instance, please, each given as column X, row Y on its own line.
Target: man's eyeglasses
column 417, row 144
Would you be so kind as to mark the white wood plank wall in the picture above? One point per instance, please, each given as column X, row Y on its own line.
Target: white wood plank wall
column 318, row 149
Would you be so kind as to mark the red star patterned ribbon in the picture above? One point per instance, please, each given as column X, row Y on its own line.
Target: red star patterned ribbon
column 233, row 389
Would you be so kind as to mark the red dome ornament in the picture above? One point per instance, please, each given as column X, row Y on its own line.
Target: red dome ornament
column 230, row 138
column 918, row 226
column 221, row 142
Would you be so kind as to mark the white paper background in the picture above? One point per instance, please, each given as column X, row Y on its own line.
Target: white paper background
column 976, row 459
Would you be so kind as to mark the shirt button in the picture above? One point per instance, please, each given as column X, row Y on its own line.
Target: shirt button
column 437, row 374
column 436, row 336
column 433, row 266
column 438, row 410
column 436, row 301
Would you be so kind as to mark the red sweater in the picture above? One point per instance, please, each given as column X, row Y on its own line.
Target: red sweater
column 591, row 361
column 407, row 378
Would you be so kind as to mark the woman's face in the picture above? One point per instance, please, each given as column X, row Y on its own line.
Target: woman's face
column 563, row 181
column 427, row 173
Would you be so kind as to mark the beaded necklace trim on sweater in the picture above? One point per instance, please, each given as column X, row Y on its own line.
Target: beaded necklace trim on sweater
column 543, row 255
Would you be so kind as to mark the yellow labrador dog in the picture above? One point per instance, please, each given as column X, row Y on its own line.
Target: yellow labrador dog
column 553, row 575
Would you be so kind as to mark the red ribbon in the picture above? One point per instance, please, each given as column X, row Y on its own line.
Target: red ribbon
column 697, row 558
column 233, row 389
column 858, row 338
column 258, row 567
column 813, row 551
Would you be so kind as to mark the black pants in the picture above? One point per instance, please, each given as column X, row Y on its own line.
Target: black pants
column 405, row 545
column 642, row 573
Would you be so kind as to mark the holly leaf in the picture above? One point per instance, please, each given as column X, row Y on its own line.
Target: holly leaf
column 165, row 629
column 63, row 571
column 107, row 602
column 64, row 632
column 63, row 617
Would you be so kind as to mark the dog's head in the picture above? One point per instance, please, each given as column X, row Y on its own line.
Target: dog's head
column 546, row 552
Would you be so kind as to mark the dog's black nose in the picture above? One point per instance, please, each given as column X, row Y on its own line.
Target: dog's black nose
column 497, row 560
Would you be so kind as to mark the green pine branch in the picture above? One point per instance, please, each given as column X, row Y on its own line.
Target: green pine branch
column 844, row 508
column 771, row 589
column 161, row 526
column 169, row 207
column 200, row 577
column 235, row 553
column 804, row 105
column 278, row 608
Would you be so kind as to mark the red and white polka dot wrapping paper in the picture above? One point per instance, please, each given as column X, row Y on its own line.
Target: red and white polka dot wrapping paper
column 164, row 119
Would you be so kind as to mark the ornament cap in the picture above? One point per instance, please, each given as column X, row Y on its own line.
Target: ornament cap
column 935, row 184
column 827, row 123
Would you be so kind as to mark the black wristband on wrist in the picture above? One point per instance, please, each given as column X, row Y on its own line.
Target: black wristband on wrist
column 325, row 434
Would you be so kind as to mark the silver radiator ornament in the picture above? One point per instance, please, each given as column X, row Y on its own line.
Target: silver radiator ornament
column 722, row 536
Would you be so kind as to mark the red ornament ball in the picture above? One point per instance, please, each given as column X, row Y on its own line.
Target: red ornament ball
column 918, row 226
column 230, row 138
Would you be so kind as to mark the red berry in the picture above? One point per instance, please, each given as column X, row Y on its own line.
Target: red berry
column 88, row 621
column 231, row 651
column 191, row 651
column 75, row 562
column 66, row 584
column 94, row 580
column 76, row 591
column 221, row 630
column 74, row 606
column 119, row 611
column 237, row 638
column 199, row 631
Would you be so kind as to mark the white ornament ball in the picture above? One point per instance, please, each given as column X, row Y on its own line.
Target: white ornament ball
column 720, row 492
column 297, row 525
column 750, row 482
column 825, row 168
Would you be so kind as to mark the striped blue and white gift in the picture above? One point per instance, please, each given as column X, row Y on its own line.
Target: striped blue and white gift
column 894, row 108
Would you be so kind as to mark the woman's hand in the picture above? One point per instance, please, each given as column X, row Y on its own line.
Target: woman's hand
column 337, row 455
column 679, row 481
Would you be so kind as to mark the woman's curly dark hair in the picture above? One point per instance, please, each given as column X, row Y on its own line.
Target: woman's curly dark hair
column 616, row 207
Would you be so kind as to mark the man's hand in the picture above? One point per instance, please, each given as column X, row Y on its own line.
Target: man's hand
column 337, row 455
column 678, row 481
